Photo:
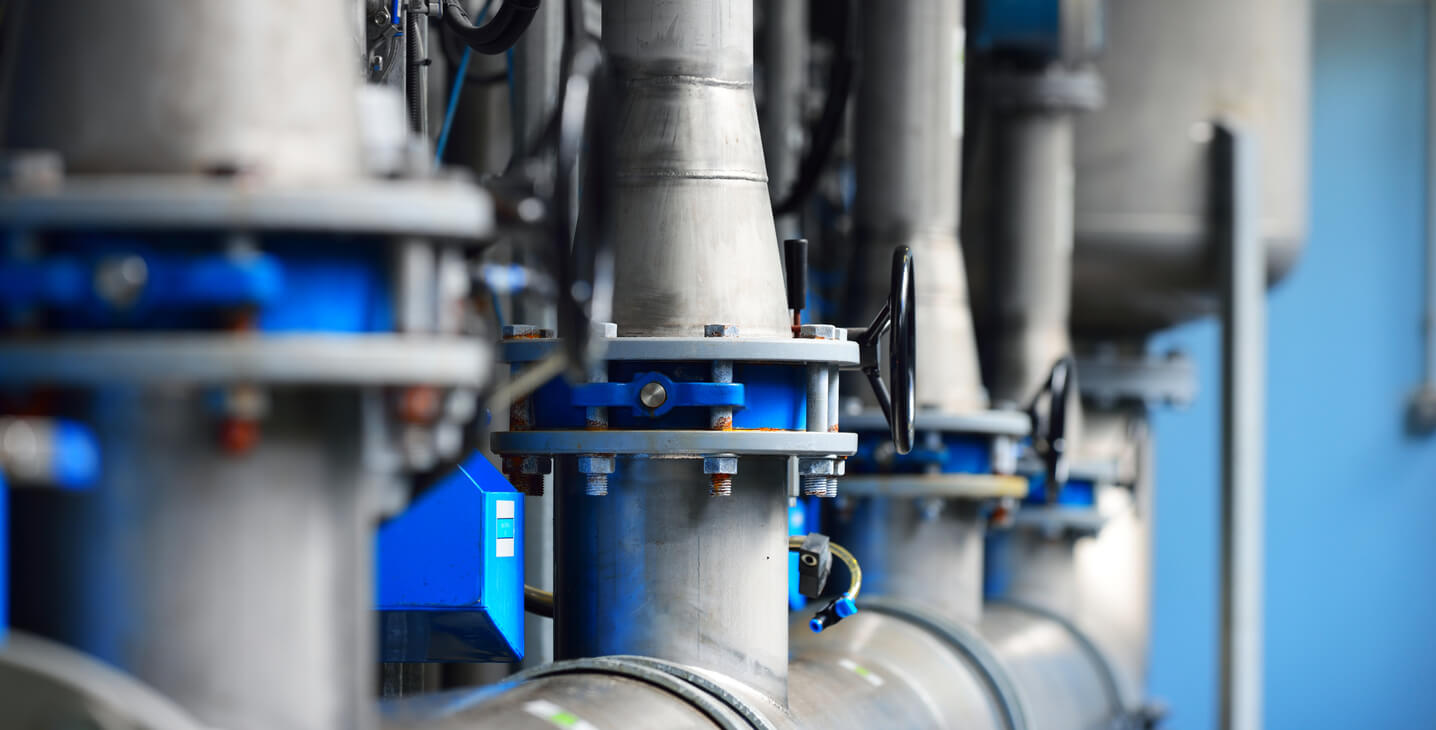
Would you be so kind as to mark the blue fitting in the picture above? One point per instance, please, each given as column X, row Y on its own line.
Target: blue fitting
column 77, row 456
column 837, row 609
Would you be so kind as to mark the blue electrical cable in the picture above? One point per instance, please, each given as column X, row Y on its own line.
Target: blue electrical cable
column 453, row 104
column 454, row 92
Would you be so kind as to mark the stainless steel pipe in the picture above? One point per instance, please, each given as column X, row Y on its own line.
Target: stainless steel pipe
column 238, row 585
column 907, row 145
column 692, row 224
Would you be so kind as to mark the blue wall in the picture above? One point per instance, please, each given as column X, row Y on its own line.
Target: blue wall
column 1351, row 499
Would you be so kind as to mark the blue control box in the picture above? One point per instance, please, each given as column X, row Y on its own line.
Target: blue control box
column 451, row 576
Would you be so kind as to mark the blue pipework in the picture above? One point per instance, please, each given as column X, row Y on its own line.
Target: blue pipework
column 292, row 286
column 763, row 396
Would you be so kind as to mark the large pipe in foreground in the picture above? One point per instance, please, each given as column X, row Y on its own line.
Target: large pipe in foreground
column 236, row 585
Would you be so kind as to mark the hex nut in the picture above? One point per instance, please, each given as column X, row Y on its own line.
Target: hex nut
column 534, row 465
column 720, row 330
column 595, row 464
column 720, row 465
column 516, row 331
column 817, row 332
column 816, row 467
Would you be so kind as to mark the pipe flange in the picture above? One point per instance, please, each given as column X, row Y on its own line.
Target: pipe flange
column 211, row 359
column 714, row 708
column 443, row 208
column 675, row 444
column 1108, row 672
column 669, row 349
column 943, row 486
column 967, row 643
column 990, row 423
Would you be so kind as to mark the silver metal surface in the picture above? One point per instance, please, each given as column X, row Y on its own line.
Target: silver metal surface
column 1061, row 683
column 154, row 203
column 236, row 584
column 907, row 145
column 215, row 87
column 659, row 568
column 330, row 360
column 942, row 486
column 996, row 423
column 692, row 225
column 47, row 685
column 836, row 352
column 1109, row 378
column 537, row 64
column 875, row 670
column 1028, row 247
column 599, row 701
column 1145, row 244
column 785, row 54
column 924, row 551
column 675, row 444
column 1243, row 428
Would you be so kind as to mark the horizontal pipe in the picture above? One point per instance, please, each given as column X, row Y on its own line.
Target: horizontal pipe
column 892, row 665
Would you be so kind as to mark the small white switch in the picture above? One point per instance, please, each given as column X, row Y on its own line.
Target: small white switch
column 504, row 509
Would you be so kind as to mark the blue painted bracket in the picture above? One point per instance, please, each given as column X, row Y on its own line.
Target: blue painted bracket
column 451, row 576
column 69, row 281
column 679, row 394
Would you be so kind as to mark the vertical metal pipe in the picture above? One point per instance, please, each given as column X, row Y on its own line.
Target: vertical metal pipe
column 1032, row 252
column 536, row 67
column 661, row 569
column 784, row 39
column 907, row 147
column 265, row 87
column 692, row 223
column 1243, row 426
column 926, row 551
column 239, row 585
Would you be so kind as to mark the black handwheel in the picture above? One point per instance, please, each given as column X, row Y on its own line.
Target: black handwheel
column 585, row 261
column 1051, row 437
column 900, row 316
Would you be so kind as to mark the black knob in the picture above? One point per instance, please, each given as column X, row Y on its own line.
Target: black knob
column 795, row 266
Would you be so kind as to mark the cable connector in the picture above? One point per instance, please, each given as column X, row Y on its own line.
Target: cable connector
column 837, row 609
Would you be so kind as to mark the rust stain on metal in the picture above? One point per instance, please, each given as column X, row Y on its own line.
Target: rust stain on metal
column 723, row 423
column 596, row 424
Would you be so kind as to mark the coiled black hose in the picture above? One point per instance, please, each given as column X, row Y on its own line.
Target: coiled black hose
column 842, row 75
column 499, row 34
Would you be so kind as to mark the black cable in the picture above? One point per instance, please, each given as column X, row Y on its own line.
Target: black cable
column 451, row 46
column 500, row 33
column 413, row 88
column 823, row 137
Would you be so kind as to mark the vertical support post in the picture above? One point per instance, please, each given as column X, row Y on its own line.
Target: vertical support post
column 1243, row 429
